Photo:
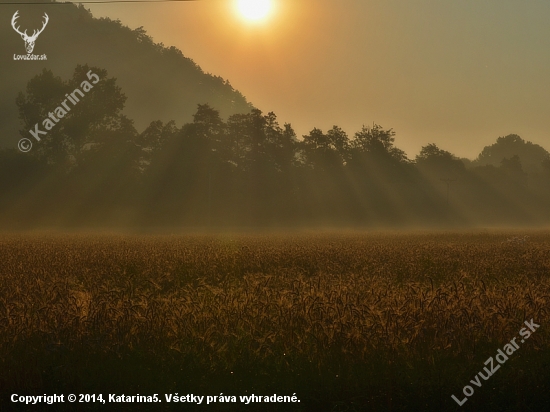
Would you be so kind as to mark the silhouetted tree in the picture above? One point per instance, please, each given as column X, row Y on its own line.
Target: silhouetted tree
column 439, row 164
column 530, row 154
column 378, row 143
column 88, row 143
column 514, row 171
column 91, row 119
column 93, row 166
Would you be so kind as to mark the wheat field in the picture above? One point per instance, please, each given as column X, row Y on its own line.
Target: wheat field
column 346, row 321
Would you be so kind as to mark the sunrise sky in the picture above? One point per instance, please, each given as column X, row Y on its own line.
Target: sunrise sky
column 455, row 73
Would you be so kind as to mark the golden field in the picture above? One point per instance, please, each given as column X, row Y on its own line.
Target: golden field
column 347, row 321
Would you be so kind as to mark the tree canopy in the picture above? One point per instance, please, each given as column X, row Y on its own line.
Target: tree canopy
column 93, row 167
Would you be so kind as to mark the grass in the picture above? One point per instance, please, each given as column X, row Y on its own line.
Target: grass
column 348, row 322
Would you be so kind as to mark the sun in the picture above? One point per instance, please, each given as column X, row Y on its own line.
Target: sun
column 254, row 10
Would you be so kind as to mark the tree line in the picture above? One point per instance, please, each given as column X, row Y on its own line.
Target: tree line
column 95, row 168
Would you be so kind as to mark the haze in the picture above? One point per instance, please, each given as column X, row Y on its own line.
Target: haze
column 458, row 74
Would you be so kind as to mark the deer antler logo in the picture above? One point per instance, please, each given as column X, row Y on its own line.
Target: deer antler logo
column 29, row 40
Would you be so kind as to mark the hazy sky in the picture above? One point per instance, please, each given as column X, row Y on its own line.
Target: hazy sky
column 458, row 73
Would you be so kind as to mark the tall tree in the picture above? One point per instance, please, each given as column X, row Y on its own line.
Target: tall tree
column 436, row 163
column 530, row 154
column 74, row 115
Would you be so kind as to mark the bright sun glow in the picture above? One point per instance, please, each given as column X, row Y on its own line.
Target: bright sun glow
column 254, row 10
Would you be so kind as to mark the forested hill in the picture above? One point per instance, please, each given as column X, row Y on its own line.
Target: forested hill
column 159, row 82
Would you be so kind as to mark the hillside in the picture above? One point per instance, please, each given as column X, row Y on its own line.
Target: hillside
column 160, row 82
